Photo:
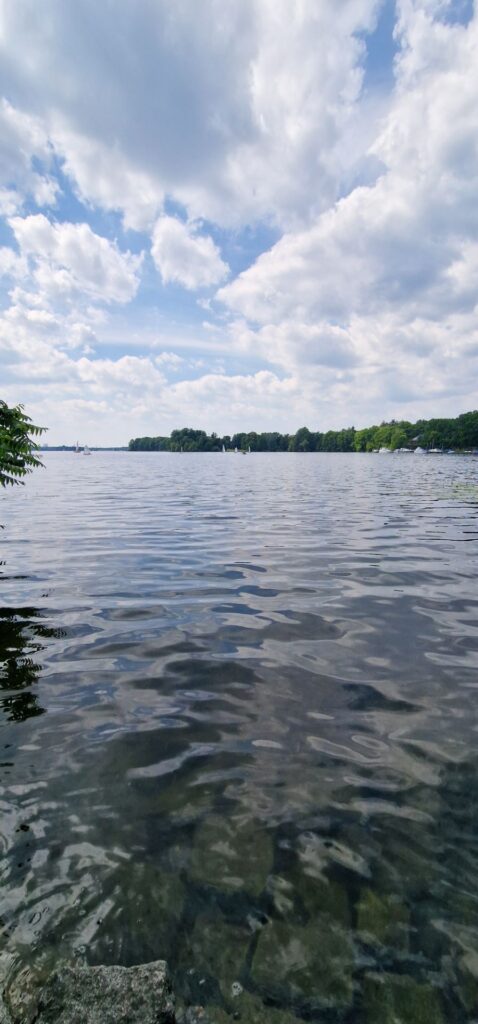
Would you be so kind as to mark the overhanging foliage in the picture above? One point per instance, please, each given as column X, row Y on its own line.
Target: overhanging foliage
column 17, row 444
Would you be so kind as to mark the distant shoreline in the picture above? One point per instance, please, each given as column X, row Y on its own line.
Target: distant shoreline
column 216, row 451
column 437, row 435
column 72, row 448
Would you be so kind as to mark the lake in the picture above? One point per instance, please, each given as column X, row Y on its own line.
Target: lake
column 239, row 713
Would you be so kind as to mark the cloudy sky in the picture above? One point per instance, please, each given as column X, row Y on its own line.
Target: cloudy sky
column 237, row 214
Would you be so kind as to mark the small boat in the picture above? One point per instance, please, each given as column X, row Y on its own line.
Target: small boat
column 224, row 448
column 86, row 450
column 420, row 451
column 77, row 449
column 384, row 451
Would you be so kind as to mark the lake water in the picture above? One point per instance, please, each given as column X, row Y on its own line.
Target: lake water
column 239, row 717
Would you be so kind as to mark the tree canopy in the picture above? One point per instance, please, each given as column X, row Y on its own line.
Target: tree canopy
column 459, row 434
column 17, row 444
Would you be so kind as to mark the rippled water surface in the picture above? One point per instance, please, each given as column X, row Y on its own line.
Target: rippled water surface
column 238, row 709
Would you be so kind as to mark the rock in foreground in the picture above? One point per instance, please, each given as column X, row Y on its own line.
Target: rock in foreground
column 108, row 995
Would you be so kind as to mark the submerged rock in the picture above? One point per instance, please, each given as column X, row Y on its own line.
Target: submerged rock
column 5, row 964
column 24, row 984
column 251, row 1010
column 217, row 949
column 312, row 964
column 193, row 1015
column 231, row 855
column 108, row 995
column 148, row 906
column 5, row 1017
column 383, row 920
column 248, row 1009
column 321, row 895
column 399, row 999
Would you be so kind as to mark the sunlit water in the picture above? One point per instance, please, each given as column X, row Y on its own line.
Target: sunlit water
column 239, row 718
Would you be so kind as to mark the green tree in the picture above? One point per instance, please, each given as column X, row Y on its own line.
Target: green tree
column 459, row 433
column 17, row 444
column 301, row 441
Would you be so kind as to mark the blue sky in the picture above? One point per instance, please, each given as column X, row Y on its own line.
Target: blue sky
column 232, row 215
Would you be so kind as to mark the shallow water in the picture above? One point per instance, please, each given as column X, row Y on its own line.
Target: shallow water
column 238, row 709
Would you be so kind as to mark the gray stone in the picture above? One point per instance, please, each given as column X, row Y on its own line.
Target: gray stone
column 108, row 995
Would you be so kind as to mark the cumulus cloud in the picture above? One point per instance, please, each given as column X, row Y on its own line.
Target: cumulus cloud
column 24, row 140
column 72, row 257
column 258, row 119
column 182, row 255
column 11, row 264
column 239, row 111
column 103, row 177
column 388, row 271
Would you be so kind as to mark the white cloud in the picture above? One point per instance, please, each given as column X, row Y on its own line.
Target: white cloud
column 184, row 256
column 23, row 138
column 239, row 111
column 225, row 402
column 71, row 257
column 104, row 178
column 386, row 278
column 169, row 360
column 463, row 274
column 9, row 202
column 11, row 264
column 125, row 377
column 242, row 114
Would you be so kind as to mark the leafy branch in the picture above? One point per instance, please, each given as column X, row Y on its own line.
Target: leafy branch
column 18, row 446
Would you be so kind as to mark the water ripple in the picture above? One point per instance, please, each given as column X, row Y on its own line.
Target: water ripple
column 237, row 710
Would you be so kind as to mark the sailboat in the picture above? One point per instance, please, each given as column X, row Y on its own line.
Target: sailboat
column 224, row 448
column 77, row 449
column 86, row 450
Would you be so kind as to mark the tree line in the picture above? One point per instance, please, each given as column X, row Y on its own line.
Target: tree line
column 460, row 433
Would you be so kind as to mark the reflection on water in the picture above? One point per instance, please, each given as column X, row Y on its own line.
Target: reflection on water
column 21, row 633
column 238, row 730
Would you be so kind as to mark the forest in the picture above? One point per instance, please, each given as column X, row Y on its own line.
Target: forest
column 458, row 434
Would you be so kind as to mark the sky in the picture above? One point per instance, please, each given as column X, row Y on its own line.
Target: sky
column 237, row 214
